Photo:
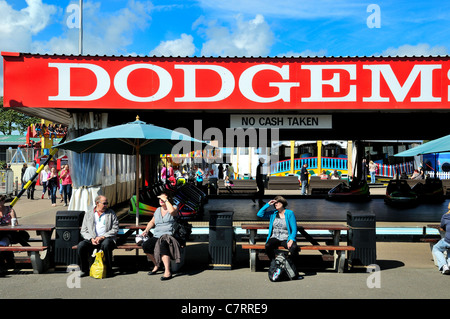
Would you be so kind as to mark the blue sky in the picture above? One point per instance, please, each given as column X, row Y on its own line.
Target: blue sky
column 228, row 27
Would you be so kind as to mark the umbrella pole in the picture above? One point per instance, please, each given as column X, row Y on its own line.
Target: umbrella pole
column 137, row 184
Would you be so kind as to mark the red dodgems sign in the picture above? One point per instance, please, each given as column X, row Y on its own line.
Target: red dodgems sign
column 225, row 83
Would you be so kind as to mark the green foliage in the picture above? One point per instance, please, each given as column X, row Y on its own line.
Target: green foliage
column 11, row 120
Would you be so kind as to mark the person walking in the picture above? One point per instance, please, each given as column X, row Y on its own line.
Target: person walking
column 52, row 183
column 304, row 178
column 372, row 171
column 259, row 183
column 66, row 180
column 220, row 168
column 43, row 179
column 30, row 175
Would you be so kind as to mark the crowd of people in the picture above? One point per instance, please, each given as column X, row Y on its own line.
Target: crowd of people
column 170, row 173
column 50, row 131
column 51, row 180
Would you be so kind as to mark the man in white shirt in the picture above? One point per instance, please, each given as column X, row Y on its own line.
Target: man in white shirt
column 28, row 175
column 99, row 230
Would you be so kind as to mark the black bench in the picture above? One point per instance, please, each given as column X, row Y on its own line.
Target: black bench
column 240, row 186
column 319, row 186
column 283, row 182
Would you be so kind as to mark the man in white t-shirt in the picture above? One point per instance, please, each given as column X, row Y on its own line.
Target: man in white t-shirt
column 99, row 231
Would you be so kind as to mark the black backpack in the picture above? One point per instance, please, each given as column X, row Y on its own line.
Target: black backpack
column 282, row 268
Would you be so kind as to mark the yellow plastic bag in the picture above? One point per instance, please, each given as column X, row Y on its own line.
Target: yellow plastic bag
column 98, row 268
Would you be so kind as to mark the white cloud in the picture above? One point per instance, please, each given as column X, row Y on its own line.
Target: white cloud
column 17, row 27
column 244, row 38
column 103, row 34
column 183, row 46
column 34, row 18
column 415, row 50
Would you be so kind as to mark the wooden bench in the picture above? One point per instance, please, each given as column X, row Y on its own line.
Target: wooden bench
column 240, row 186
column 338, row 258
column 126, row 246
column 40, row 256
column 283, row 182
column 23, row 248
column 129, row 246
column 335, row 229
column 121, row 242
column 33, row 256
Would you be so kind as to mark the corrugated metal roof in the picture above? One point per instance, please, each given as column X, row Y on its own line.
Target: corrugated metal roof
column 232, row 57
column 61, row 116
column 18, row 139
column 14, row 139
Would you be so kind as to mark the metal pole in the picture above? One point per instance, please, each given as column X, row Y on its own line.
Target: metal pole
column 137, row 183
column 80, row 38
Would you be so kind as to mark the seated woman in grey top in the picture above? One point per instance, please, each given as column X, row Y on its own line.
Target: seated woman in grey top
column 162, row 221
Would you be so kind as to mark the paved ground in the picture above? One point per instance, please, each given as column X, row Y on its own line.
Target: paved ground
column 404, row 271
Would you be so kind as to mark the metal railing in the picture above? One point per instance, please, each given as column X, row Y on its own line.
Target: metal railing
column 329, row 163
column 6, row 182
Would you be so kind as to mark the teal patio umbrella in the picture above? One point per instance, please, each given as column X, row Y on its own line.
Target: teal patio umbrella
column 440, row 145
column 134, row 138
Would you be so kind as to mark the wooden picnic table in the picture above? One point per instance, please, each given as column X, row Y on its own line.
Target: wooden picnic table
column 335, row 230
column 131, row 228
column 41, row 257
column 328, row 251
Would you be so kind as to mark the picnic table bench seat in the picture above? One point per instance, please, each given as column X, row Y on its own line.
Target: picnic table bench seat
column 40, row 256
column 23, row 248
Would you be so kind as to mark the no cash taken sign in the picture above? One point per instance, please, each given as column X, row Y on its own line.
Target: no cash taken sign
column 285, row 121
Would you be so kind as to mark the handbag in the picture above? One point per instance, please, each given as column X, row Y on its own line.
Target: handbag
column 181, row 230
column 98, row 268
